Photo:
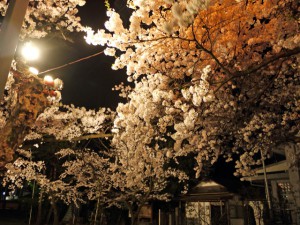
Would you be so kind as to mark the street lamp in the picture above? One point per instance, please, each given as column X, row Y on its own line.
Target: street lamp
column 49, row 80
column 33, row 70
column 54, row 87
column 30, row 52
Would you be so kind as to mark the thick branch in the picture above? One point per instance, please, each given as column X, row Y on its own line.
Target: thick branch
column 265, row 63
column 28, row 101
column 80, row 138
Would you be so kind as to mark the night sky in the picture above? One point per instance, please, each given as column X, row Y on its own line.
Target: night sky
column 87, row 83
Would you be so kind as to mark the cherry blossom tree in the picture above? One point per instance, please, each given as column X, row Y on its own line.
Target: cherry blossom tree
column 211, row 79
column 82, row 175
column 216, row 78
column 26, row 95
column 131, row 174
column 141, row 172
column 44, row 17
column 24, row 170
column 128, row 171
column 69, row 123
column 26, row 109
column 88, row 176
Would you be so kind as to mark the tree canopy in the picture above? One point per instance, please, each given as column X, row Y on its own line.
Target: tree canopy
column 44, row 17
column 218, row 78
column 210, row 79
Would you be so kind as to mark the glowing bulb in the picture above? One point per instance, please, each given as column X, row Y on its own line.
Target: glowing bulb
column 30, row 52
column 48, row 80
column 33, row 70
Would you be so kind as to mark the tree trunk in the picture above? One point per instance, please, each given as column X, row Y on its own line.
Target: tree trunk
column 135, row 214
column 31, row 100
column 32, row 199
column 39, row 212
column 55, row 212
column 134, row 219
column 96, row 212
column 49, row 215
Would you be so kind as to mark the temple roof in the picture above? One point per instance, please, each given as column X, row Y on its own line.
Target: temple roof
column 207, row 190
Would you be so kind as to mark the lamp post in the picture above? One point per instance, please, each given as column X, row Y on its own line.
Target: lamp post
column 9, row 36
column 268, row 197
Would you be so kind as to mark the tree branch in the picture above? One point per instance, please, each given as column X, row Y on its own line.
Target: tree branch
column 281, row 55
column 265, row 63
column 80, row 138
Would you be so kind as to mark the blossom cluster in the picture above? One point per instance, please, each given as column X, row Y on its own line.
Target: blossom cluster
column 43, row 17
column 68, row 122
column 198, row 87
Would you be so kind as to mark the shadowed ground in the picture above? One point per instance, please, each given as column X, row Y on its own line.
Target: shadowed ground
column 12, row 217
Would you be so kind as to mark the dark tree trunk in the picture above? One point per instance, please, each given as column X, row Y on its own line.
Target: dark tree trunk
column 39, row 212
column 55, row 211
column 135, row 214
column 134, row 219
column 49, row 215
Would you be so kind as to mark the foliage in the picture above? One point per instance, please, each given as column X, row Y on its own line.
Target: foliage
column 87, row 174
column 27, row 96
column 141, row 172
column 212, row 78
column 68, row 123
column 43, row 17
column 26, row 99
column 60, row 163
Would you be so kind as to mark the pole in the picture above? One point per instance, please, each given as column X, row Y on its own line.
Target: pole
column 31, row 207
column 266, row 184
column 159, row 217
column 9, row 36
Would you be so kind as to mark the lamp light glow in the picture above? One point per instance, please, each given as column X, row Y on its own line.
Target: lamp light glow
column 30, row 52
column 49, row 80
column 33, row 70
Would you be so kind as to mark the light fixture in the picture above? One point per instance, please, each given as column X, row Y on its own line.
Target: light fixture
column 49, row 80
column 33, row 70
column 30, row 52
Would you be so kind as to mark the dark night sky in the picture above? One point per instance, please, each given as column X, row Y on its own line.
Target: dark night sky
column 87, row 83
